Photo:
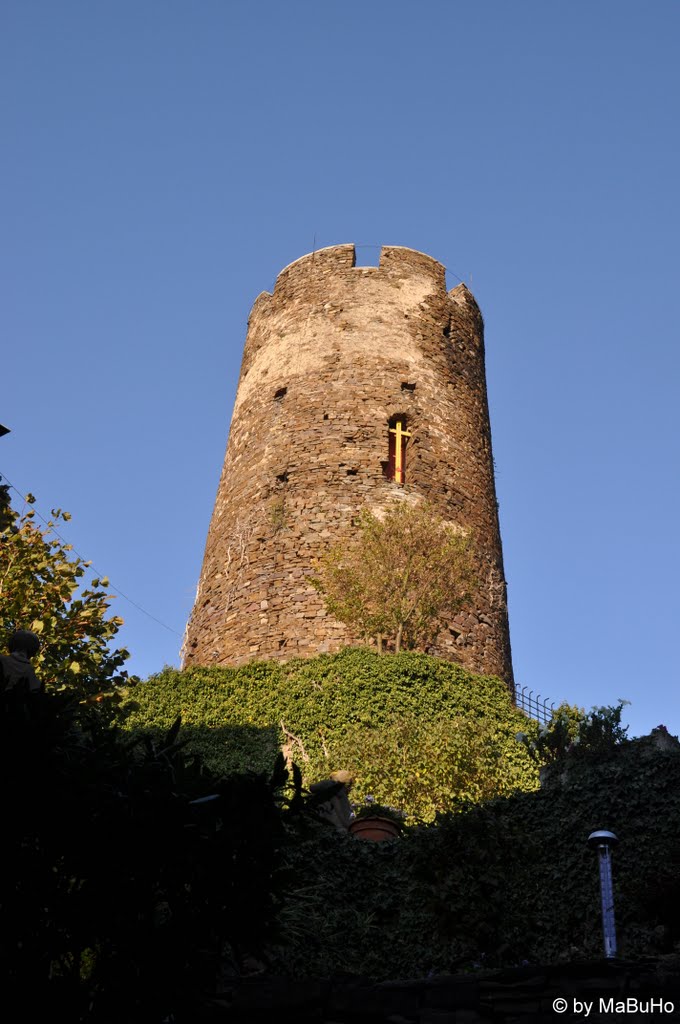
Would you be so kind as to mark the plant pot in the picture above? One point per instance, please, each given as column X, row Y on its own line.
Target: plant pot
column 374, row 829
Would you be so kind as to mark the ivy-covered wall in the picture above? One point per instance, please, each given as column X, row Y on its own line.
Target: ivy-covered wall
column 417, row 732
column 505, row 883
column 505, row 880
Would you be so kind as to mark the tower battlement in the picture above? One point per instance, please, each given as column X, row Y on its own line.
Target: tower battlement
column 333, row 356
column 394, row 259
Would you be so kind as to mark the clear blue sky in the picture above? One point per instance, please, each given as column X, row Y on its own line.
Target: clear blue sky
column 162, row 161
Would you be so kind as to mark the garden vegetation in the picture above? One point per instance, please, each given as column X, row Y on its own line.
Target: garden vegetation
column 151, row 863
column 416, row 732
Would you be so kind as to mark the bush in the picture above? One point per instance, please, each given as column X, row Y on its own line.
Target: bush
column 434, row 765
column 572, row 734
column 415, row 731
column 124, row 899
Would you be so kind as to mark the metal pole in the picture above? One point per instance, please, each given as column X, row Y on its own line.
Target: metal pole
column 603, row 841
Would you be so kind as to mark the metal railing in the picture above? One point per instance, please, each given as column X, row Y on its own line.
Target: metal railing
column 534, row 706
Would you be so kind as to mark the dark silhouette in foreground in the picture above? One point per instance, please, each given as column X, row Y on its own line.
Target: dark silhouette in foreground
column 16, row 672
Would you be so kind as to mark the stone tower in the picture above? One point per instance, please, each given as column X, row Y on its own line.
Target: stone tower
column 358, row 385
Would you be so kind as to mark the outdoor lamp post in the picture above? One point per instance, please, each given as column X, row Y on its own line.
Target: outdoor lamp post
column 603, row 842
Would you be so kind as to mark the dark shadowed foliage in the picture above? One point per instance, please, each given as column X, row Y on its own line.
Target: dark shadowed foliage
column 133, row 879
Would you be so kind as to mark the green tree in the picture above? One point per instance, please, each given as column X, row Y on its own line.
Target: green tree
column 572, row 733
column 400, row 575
column 42, row 589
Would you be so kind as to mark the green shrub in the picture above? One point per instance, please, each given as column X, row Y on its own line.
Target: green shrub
column 416, row 731
column 431, row 766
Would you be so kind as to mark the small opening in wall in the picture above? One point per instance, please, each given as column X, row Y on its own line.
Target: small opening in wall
column 398, row 437
column 407, row 386
column 367, row 255
column 282, row 478
column 325, row 415
column 280, row 393
column 352, row 472
column 447, row 331
column 455, row 633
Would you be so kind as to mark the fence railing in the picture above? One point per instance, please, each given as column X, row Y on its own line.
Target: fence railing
column 534, row 706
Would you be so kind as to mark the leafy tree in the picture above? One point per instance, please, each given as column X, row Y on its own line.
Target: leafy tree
column 401, row 575
column 571, row 733
column 552, row 740
column 41, row 589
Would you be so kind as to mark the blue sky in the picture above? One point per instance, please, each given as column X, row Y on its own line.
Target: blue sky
column 162, row 161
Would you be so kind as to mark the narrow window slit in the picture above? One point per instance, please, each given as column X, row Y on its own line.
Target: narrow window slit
column 280, row 393
column 398, row 437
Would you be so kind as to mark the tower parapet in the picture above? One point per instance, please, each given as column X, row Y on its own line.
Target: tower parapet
column 334, row 357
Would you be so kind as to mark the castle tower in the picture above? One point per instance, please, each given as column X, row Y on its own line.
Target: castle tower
column 358, row 385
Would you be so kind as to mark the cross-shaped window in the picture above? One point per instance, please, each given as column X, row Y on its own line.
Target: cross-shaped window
column 398, row 437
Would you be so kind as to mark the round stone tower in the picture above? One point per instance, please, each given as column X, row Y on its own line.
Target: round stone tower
column 358, row 385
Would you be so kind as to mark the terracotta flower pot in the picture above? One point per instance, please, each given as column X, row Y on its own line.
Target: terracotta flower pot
column 376, row 829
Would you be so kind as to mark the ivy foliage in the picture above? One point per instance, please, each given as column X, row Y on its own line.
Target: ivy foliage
column 503, row 883
column 45, row 589
column 138, row 880
column 416, row 732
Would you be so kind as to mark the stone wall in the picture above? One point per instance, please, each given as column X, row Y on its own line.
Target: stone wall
column 596, row 991
column 331, row 355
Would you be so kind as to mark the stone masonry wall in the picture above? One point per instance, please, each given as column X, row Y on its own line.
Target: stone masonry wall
column 600, row 991
column 331, row 355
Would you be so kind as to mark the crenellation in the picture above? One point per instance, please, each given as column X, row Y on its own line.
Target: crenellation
column 316, row 266
column 400, row 261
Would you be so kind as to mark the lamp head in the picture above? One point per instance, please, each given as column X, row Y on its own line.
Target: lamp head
column 602, row 838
